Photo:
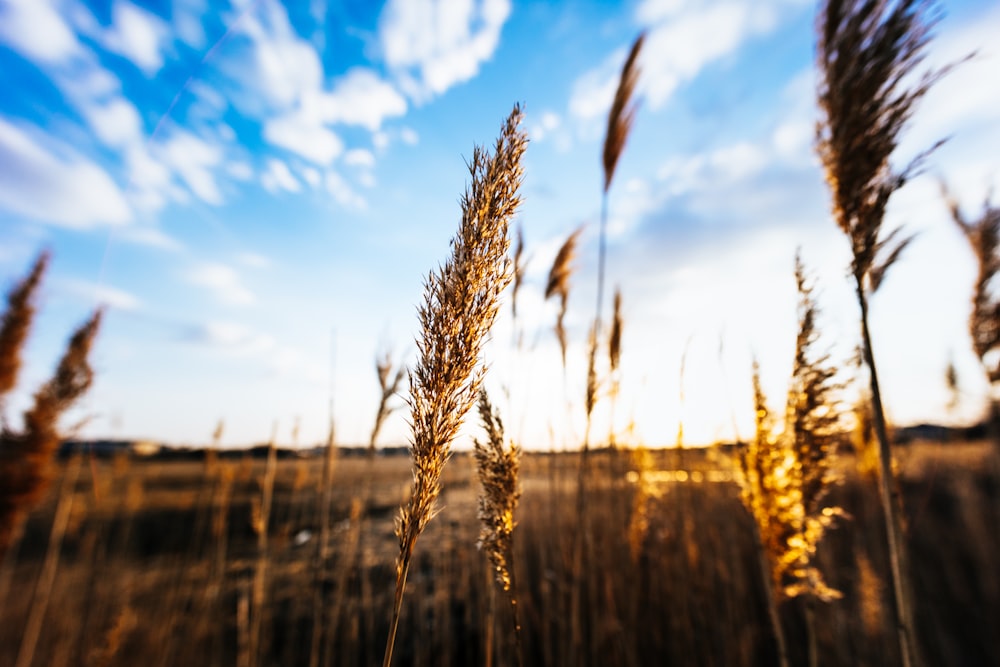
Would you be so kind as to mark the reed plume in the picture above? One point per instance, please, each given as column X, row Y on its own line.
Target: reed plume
column 983, row 236
column 622, row 113
column 519, row 266
column 620, row 119
column 614, row 359
column 389, row 384
column 812, row 414
column 461, row 302
column 26, row 457
column 867, row 53
column 558, row 284
column 497, row 465
column 16, row 323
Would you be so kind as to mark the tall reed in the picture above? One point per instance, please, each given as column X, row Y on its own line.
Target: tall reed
column 26, row 458
column 558, row 285
column 16, row 323
column 389, row 382
column 461, row 302
column 983, row 235
column 497, row 464
column 868, row 51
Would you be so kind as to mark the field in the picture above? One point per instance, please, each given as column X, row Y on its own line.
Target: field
column 159, row 562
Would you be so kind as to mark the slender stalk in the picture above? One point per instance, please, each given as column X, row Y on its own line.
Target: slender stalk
column 891, row 502
column 47, row 577
column 767, row 581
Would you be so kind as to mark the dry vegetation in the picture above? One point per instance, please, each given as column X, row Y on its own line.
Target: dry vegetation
column 814, row 542
column 158, row 559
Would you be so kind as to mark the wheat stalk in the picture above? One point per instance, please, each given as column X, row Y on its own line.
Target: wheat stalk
column 461, row 302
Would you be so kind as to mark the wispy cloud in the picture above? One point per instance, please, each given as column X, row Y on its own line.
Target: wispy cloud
column 194, row 161
column 359, row 157
column 100, row 295
column 305, row 135
column 683, row 37
column 342, row 192
column 137, row 35
column 223, row 281
column 151, row 237
column 279, row 177
column 282, row 81
column 36, row 30
column 237, row 340
column 59, row 187
column 433, row 44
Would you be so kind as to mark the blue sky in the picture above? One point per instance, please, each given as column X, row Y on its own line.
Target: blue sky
column 256, row 191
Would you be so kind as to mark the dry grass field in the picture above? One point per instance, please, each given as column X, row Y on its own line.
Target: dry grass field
column 159, row 558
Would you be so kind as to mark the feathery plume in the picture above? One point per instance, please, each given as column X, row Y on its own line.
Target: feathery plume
column 622, row 113
column 983, row 236
column 867, row 52
column 462, row 299
column 389, row 384
column 615, row 337
column 25, row 458
column 16, row 322
column 519, row 266
column 558, row 284
column 497, row 466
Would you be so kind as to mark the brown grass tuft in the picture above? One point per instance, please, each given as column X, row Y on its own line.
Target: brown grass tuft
column 462, row 299
column 16, row 323
column 25, row 458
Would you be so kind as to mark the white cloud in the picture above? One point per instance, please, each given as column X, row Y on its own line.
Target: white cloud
column 435, row 44
column 304, row 135
column 255, row 260
column 241, row 171
column 362, row 98
column 35, row 29
column 593, row 91
column 223, row 281
column 279, row 177
column 102, row 295
column 187, row 22
column 409, row 136
column 359, row 157
column 193, row 160
column 151, row 237
column 67, row 190
column 547, row 123
column 312, row 176
column 685, row 37
column 137, row 35
column 116, row 123
column 342, row 192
